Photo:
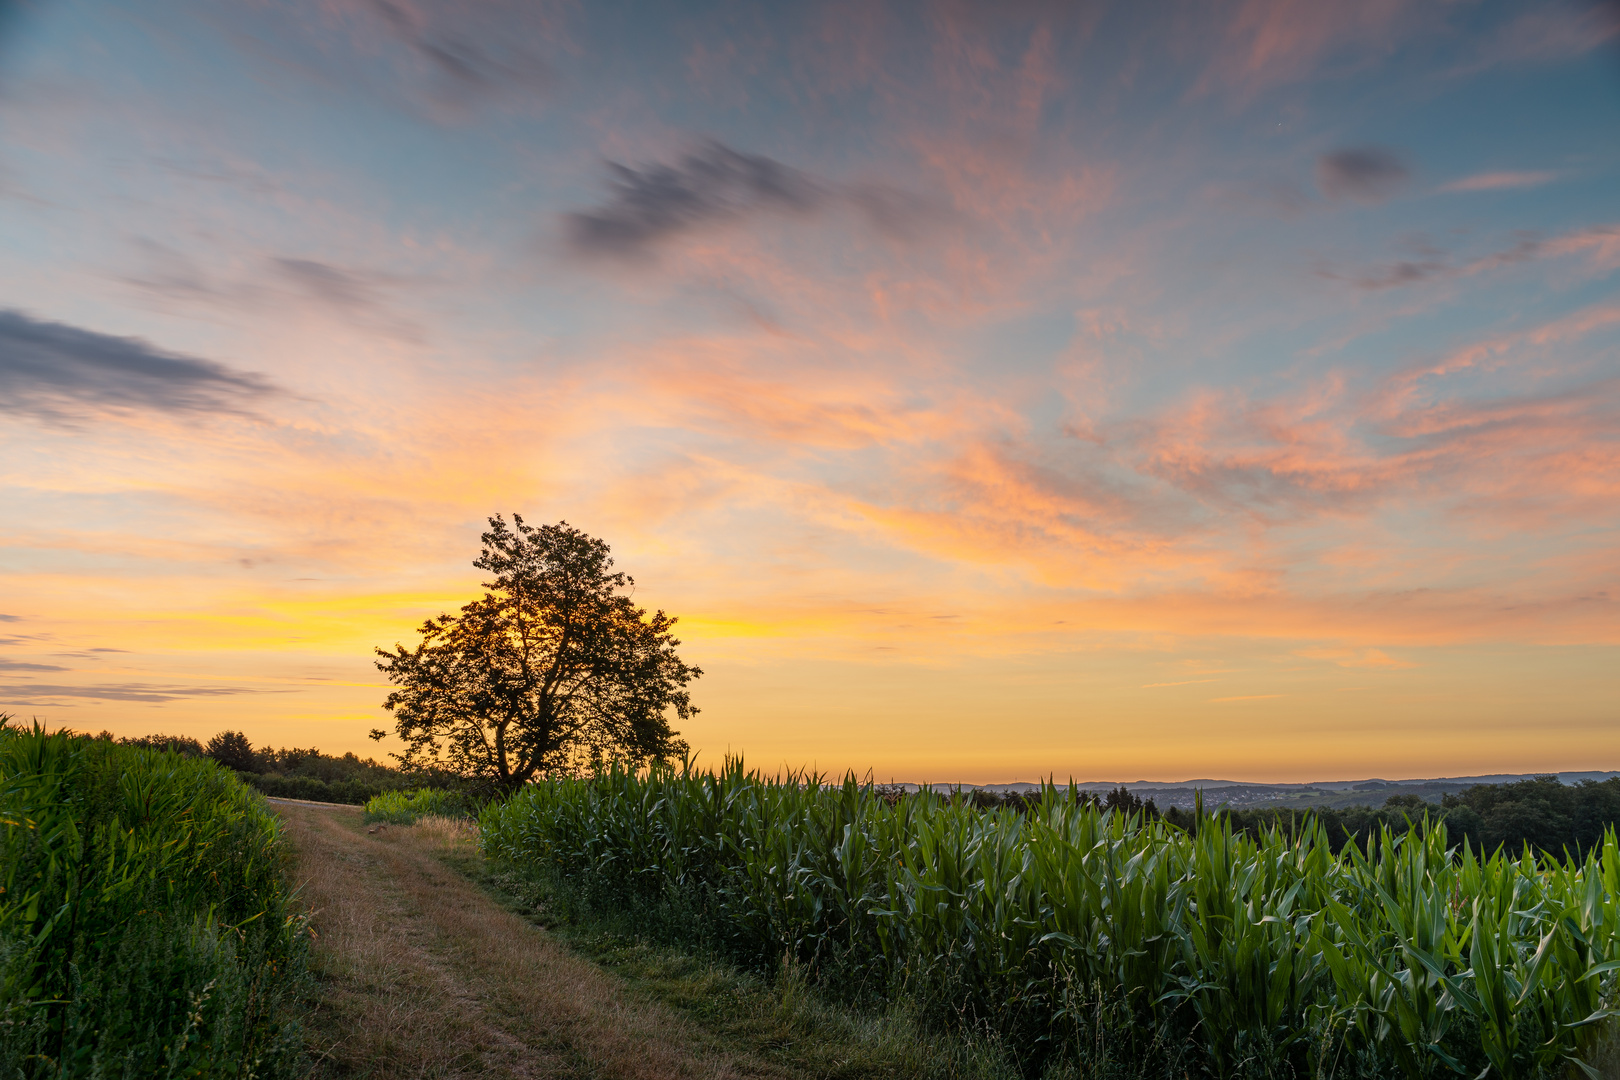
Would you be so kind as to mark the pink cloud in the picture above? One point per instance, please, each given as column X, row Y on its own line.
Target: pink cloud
column 1269, row 42
column 1546, row 34
column 1497, row 181
column 1600, row 244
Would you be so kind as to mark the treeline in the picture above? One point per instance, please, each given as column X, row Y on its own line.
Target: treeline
column 294, row 773
column 1548, row 815
column 146, row 920
column 1545, row 814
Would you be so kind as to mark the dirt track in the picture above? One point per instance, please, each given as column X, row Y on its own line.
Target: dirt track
column 422, row 975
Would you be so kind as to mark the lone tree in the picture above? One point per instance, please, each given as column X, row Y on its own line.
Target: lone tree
column 555, row 668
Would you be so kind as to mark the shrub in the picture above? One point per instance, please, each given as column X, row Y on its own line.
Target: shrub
column 405, row 807
column 311, row 789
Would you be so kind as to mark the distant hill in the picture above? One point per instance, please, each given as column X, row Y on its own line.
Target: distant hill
column 1326, row 793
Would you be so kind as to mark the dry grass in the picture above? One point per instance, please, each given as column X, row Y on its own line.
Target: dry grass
column 423, row 976
column 451, row 832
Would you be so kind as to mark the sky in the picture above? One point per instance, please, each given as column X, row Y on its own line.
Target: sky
column 994, row 391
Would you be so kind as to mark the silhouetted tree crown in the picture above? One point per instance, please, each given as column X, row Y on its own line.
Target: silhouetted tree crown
column 553, row 669
column 232, row 750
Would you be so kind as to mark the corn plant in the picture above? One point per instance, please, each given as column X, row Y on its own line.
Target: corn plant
column 145, row 924
column 1264, row 954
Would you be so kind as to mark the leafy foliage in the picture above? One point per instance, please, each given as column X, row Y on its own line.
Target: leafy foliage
column 145, row 925
column 232, row 750
column 1543, row 814
column 553, row 669
column 295, row 773
column 169, row 744
column 406, row 807
column 1264, row 955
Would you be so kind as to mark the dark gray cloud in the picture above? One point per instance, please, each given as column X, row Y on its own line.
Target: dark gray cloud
column 151, row 693
column 1364, row 174
column 53, row 371
column 712, row 183
column 19, row 665
column 10, row 618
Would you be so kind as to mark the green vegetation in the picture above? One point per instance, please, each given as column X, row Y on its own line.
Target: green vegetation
column 1549, row 816
column 145, row 921
column 1541, row 812
column 771, row 1023
column 317, row 777
column 1102, row 941
column 294, row 773
column 408, row 807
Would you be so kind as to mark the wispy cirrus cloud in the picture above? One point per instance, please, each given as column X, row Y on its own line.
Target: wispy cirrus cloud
column 22, row 665
column 1264, row 43
column 149, row 693
column 338, row 286
column 446, row 61
column 1356, row 658
column 715, row 184
column 1500, row 181
column 277, row 284
column 49, row 370
column 1400, row 392
column 1545, row 34
column 1599, row 243
column 468, row 71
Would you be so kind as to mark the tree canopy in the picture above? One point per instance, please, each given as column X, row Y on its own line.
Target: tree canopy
column 233, row 750
column 555, row 668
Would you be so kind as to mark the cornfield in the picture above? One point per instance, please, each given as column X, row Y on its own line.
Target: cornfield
column 146, row 928
column 1264, row 955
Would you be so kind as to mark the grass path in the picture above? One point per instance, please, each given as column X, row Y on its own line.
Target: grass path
column 422, row 975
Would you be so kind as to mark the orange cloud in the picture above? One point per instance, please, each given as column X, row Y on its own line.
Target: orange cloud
column 1351, row 658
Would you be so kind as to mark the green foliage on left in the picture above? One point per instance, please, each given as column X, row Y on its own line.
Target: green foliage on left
column 146, row 928
column 293, row 773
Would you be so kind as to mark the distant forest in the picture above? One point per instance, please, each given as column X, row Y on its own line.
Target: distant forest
column 1544, row 813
